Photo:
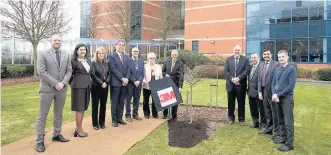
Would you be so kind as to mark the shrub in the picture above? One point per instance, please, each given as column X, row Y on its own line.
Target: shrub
column 192, row 59
column 28, row 71
column 324, row 74
column 4, row 71
column 210, row 71
column 306, row 73
column 16, row 70
column 161, row 60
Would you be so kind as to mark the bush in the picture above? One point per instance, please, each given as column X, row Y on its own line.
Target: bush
column 306, row 73
column 324, row 74
column 210, row 71
column 192, row 59
column 4, row 71
column 16, row 70
column 161, row 60
column 28, row 71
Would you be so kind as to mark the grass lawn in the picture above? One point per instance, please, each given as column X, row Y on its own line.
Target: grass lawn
column 312, row 112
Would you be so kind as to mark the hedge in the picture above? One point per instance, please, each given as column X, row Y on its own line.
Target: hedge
column 324, row 74
column 28, row 70
column 210, row 71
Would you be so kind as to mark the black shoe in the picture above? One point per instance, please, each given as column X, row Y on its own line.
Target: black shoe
column 174, row 119
column 137, row 118
column 255, row 126
column 266, row 132
column 115, row 124
column 121, row 122
column 102, row 126
column 76, row 134
column 164, row 117
column 96, row 127
column 60, row 138
column 156, row 117
column 146, row 117
column 129, row 119
column 40, row 147
column 285, row 148
column 278, row 140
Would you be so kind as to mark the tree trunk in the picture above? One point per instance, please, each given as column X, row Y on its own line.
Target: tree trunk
column 191, row 112
column 35, row 45
column 165, row 49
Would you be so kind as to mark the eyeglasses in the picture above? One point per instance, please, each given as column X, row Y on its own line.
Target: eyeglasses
column 151, row 58
column 237, row 50
column 135, row 51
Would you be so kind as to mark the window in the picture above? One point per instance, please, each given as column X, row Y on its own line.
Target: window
column 316, row 50
column 316, row 10
column 300, row 50
column 327, row 56
column 254, row 46
column 265, row 31
column 281, row 30
column 253, row 31
column 253, row 20
column 267, row 8
column 317, row 28
column 282, row 45
column 300, row 30
column 300, row 12
column 253, row 9
column 195, row 46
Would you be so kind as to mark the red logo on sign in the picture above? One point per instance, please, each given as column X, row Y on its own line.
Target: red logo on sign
column 167, row 96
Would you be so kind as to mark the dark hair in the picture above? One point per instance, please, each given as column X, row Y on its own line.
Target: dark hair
column 75, row 55
column 283, row 51
column 120, row 41
column 266, row 50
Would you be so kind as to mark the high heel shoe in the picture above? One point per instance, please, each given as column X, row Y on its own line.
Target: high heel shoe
column 76, row 134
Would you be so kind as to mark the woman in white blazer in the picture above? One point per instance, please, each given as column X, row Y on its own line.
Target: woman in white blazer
column 153, row 71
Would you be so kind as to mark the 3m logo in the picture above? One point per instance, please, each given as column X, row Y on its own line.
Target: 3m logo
column 167, row 96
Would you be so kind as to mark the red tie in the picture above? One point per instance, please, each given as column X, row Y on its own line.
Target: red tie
column 121, row 58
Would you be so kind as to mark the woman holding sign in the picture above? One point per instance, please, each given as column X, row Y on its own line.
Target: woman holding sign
column 153, row 71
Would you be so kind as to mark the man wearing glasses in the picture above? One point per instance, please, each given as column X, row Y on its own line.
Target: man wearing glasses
column 236, row 70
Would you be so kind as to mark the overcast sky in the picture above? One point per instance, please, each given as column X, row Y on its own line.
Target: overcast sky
column 72, row 8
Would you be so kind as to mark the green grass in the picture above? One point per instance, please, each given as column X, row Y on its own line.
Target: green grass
column 312, row 112
column 19, row 111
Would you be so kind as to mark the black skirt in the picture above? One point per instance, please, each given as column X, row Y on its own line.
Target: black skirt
column 80, row 99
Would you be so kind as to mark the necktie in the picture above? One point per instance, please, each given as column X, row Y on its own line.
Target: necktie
column 121, row 57
column 264, row 74
column 235, row 66
column 172, row 65
column 252, row 71
column 58, row 57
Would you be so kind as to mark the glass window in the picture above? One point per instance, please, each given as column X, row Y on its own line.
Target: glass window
column 282, row 45
column 300, row 30
column 282, row 30
column 265, row 31
column 253, row 20
column 316, row 50
column 283, row 7
column 300, row 10
column 300, row 50
column 253, row 9
column 254, row 46
column 328, row 54
column 328, row 30
column 267, row 8
column 283, row 18
column 317, row 28
column 195, row 45
column 316, row 15
column 268, row 20
column 316, row 10
column 329, row 14
column 253, row 31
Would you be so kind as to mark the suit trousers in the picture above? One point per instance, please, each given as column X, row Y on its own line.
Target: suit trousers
column 267, row 110
column 257, row 111
column 117, row 102
column 46, row 99
column 132, row 91
column 99, row 97
column 239, row 93
column 147, row 112
column 285, row 116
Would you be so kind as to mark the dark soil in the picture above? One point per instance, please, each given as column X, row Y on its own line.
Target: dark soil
column 205, row 121
column 16, row 81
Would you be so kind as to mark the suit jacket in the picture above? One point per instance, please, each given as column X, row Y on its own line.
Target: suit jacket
column 80, row 77
column 137, row 72
column 177, row 74
column 100, row 73
column 242, row 71
column 118, row 70
column 50, row 72
column 252, row 90
column 148, row 76
column 272, row 66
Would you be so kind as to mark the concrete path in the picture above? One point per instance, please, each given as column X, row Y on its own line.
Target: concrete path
column 112, row 141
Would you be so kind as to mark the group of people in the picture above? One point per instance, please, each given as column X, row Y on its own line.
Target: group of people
column 121, row 75
column 270, row 88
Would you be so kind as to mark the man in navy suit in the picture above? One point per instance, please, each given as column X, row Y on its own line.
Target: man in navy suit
column 119, row 65
column 134, row 86
column 236, row 70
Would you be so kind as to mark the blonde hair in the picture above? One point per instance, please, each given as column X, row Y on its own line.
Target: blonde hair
column 95, row 56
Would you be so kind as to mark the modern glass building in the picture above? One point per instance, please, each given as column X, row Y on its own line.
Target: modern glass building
column 301, row 27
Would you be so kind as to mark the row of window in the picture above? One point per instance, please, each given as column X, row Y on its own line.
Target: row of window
column 316, row 50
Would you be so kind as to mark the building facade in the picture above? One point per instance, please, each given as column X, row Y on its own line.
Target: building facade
column 301, row 27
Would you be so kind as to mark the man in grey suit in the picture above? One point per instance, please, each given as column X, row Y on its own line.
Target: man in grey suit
column 267, row 69
column 236, row 70
column 54, row 69
column 255, row 104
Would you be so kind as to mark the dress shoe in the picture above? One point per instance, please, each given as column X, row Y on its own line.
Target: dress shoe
column 285, row 148
column 242, row 123
column 137, row 118
column 146, row 117
column 129, row 119
column 266, row 132
column 255, row 126
column 115, row 124
column 96, row 127
column 279, row 140
column 60, row 138
column 174, row 120
column 40, row 147
column 230, row 122
column 121, row 122
column 164, row 117
column 102, row 126
column 76, row 134
column 156, row 117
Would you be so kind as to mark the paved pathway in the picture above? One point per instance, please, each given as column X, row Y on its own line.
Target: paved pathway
column 112, row 141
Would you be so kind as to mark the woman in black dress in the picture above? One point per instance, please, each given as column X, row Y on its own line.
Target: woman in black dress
column 80, row 86
column 100, row 84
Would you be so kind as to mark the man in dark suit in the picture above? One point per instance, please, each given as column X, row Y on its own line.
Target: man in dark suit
column 236, row 70
column 175, row 70
column 256, row 106
column 119, row 65
column 267, row 69
column 135, row 83
column 283, row 84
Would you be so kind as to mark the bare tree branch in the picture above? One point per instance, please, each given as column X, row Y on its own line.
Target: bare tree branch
column 34, row 20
